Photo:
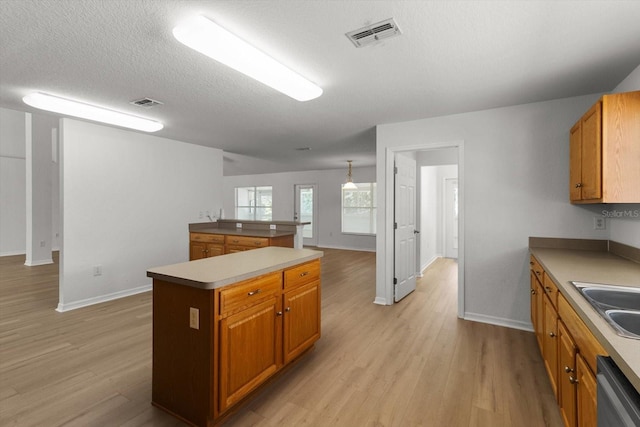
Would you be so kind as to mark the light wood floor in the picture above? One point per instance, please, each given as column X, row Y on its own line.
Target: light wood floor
column 411, row 364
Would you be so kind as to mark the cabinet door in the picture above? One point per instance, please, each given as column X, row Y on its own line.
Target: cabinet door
column 537, row 309
column 575, row 162
column 567, row 376
column 250, row 349
column 301, row 319
column 214, row 249
column 550, row 343
column 586, row 394
column 197, row 250
column 591, row 153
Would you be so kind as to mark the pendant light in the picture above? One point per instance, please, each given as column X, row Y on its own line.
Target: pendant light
column 349, row 185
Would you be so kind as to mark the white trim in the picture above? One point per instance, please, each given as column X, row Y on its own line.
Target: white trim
column 384, row 269
column 103, row 298
column 428, row 263
column 380, row 301
column 345, row 248
column 12, row 253
column 499, row 321
column 40, row 262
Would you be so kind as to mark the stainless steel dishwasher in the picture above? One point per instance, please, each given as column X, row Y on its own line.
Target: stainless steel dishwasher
column 618, row 400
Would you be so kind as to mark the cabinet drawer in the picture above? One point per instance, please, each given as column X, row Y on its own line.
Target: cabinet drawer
column 536, row 268
column 550, row 289
column 249, row 292
column 302, row 274
column 207, row 238
column 256, row 242
column 587, row 344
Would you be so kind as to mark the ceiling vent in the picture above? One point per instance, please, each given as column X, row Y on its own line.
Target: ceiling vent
column 146, row 102
column 373, row 33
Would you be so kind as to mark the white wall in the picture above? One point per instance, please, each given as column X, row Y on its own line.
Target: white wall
column 329, row 201
column 40, row 188
column 626, row 228
column 12, row 182
column 431, row 210
column 515, row 186
column 127, row 200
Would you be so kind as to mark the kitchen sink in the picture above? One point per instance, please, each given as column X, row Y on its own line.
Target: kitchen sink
column 627, row 320
column 618, row 305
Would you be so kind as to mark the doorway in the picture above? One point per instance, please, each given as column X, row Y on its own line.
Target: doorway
column 450, row 216
column 306, row 210
column 385, row 244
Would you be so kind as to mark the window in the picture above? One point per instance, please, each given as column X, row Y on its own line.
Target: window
column 253, row 203
column 359, row 209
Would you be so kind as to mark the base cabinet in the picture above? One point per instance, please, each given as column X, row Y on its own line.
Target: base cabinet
column 249, row 353
column 204, row 245
column 568, row 348
column 568, row 377
column 586, row 394
column 206, row 364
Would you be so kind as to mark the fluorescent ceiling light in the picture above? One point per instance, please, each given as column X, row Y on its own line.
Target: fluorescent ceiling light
column 205, row 36
column 68, row 107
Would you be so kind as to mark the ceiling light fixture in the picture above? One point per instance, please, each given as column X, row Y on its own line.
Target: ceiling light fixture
column 68, row 107
column 208, row 38
column 349, row 185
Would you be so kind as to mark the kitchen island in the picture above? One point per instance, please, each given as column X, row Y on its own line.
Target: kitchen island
column 223, row 326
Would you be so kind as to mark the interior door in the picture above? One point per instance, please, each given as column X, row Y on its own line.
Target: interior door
column 405, row 226
column 451, row 218
column 305, row 210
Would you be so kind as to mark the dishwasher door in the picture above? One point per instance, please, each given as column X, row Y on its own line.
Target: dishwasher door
column 618, row 400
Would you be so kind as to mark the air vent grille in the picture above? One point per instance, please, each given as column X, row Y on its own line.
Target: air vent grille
column 146, row 102
column 374, row 33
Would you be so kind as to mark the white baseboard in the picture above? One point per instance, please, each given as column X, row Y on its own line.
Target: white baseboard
column 380, row 301
column 499, row 321
column 343, row 248
column 12, row 253
column 40, row 262
column 102, row 298
column 428, row 263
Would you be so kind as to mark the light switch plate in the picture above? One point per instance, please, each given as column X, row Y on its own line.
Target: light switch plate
column 194, row 318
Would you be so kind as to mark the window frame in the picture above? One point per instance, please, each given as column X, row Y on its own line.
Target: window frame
column 372, row 223
column 253, row 203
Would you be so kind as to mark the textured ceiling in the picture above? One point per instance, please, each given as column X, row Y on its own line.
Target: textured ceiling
column 452, row 57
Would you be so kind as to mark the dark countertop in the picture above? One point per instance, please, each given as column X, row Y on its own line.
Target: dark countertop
column 243, row 232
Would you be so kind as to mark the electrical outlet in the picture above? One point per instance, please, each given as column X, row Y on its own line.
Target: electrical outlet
column 599, row 223
column 194, row 318
column 201, row 215
column 272, row 226
column 238, row 225
column 42, row 243
column 97, row 270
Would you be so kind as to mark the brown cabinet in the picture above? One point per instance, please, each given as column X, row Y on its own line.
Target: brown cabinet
column 604, row 152
column 568, row 348
column 586, row 396
column 550, row 343
column 567, row 379
column 301, row 302
column 244, row 334
column 203, row 245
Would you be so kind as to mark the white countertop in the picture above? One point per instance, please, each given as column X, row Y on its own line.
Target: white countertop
column 565, row 265
column 215, row 272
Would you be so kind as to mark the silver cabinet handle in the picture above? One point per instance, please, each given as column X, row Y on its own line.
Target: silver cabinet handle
column 278, row 313
column 288, row 309
column 573, row 380
column 552, row 335
column 257, row 291
column 568, row 370
column 578, row 185
column 304, row 274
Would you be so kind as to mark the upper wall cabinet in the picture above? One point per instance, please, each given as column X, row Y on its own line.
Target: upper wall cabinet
column 605, row 152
